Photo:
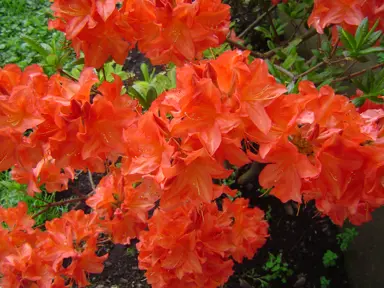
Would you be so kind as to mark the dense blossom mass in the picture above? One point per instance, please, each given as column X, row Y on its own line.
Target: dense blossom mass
column 166, row 31
column 165, row 167
column 316, row 145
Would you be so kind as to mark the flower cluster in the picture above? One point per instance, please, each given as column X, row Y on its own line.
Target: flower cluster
column 51, row 128
column 58, row 257
column 316, row 145
column 346, row 13
column 123, row 204
column 191, row 246
column 166, row 31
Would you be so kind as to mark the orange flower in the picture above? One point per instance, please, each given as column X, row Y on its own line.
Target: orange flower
column 25, row 268
column 336, row 12
column 124, row 208
column 74, row 15
column 73, row 237
column 190, row 179
column 248, row 231
column 190, row 246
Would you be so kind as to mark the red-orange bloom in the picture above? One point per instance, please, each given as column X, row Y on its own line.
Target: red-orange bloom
column 190, row 247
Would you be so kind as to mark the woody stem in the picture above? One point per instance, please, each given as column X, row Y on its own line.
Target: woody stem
column 59, row 203
column 358, row 73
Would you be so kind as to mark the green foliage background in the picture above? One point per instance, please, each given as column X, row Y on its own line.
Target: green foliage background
column 19, row 18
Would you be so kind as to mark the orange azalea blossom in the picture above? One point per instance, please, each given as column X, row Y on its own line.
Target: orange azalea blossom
column 74, row 237
column 191, row 246
column 316, row 146
column 60, row 121
column 123, row 204
column 33, row 258
column 346, row 13
column 184, row 29
column 166, row 31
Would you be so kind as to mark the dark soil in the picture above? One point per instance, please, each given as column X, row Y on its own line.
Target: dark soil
column 133, row 62
column 121, row 270
column 302, row 241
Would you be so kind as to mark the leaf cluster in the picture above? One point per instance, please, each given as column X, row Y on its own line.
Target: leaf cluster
column 152, row 85
column 329, row 259
column 18, row 19
column 11, row 193
column 346, row 237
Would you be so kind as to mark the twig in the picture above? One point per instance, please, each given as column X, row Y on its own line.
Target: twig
column 285, row 71
column 91, row 180
column 349, row 67
column 273, row 27
column 105, row 76
column 242, row 47
column 310, row 60
column 60, row 203
column 257, row 21
column 357, row 73
column 303, row 38
column 325, row 61
column 68, row 75
column 75, row 79
column 318, row 65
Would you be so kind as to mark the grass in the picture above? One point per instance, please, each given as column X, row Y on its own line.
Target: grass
column 12, row 193
column 20, row 18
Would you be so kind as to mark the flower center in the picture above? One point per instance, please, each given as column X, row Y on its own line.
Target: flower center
column 302, row 144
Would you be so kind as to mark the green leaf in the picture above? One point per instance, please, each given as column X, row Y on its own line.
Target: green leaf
column 141, row 87
column 264, row 31
column 79, row 61
column 271, row 45
column 347, row 39
column 358, row 102
column 375, row 99
column 371, row 50
column 361, row 32
column 372, row 39
column 289, row 61
column 144, row 71
column 160, row 82
column 36, row 46
column 151, row 95
column 326, row 47
column 172, row 77
column 51, row 60
column 135, row 94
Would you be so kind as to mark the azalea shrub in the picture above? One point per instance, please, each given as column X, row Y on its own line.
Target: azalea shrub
column 166, row 163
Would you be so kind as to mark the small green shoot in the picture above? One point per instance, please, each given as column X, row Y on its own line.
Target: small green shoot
column 346, row 237
column 324, row 282
column 329, row 259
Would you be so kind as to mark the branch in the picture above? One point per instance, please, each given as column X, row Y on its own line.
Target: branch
column 257, row 21
column 242, row 47
column 350, row 76
column 303, row 38
column 273, row 27
column 75, row 79
column 285, row 71
column 60, row 203
column 91, row 180
column 325, row 61
column 318, row 65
